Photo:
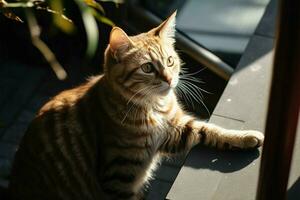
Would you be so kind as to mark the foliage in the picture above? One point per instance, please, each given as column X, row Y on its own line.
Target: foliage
column 91, row 12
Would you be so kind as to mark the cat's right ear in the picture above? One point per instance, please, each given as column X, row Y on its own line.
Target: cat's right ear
column 118, row 40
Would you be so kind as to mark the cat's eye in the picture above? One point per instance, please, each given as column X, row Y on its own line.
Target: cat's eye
column 170, row 61
column 148, row 67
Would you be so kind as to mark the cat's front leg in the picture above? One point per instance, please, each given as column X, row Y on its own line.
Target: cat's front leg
column 212, row 135
column 185, row 131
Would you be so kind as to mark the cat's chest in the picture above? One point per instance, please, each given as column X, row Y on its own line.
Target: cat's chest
column 151, row 123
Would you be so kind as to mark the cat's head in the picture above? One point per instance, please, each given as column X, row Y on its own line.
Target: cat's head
column 145, row 65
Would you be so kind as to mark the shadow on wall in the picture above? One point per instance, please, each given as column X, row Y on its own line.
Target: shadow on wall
column 224, row 161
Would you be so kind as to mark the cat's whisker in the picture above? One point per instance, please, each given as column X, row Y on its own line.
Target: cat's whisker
column 196, row 96
column 185, row 90
column 194, row 88
column 135, row 116
column 190, row 95
column 180, row 93
column 133, row 103
column 187, row 87
column 190, row 79
column 201, row 89
column 193, row 73
column 122, row 122
column 183, row 71
column 181, row 90
column 145, row 92
column 142, row 100
column 139, row 91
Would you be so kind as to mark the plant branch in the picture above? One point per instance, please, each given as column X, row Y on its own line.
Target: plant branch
column 28, row 4
column 18, row 5
column 35, row 31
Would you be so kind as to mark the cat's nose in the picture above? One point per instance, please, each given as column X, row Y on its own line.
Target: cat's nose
column 167, row 79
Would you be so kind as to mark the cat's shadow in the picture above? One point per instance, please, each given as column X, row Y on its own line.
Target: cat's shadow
column 224, row 161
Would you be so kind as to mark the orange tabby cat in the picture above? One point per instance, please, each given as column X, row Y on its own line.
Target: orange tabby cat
column 103, row 139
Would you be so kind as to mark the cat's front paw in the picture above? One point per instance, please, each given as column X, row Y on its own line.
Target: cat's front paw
column 252, row 139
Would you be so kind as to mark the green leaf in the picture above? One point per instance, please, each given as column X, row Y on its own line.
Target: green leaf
column 91, row 28
column 102, row 18
column 94, row 4
column 115, row 1
column 59, row 20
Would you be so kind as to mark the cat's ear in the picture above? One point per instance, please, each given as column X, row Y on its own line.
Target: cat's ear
column 166, row 30
column 118, row 39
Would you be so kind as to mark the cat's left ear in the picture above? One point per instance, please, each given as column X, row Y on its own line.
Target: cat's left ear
column 119, row 40
column 166, row 30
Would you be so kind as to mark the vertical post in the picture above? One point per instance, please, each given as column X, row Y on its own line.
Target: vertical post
column 283, row 105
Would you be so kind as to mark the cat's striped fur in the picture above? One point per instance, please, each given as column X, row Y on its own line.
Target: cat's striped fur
column 103, row 139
